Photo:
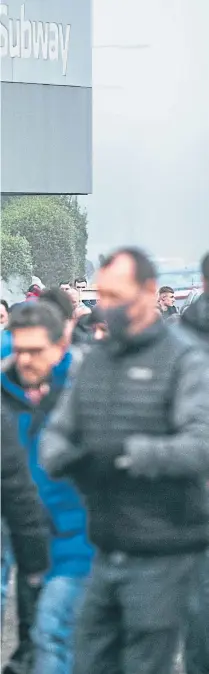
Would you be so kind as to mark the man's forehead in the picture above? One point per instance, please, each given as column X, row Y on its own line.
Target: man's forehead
column 31, row 334
column 168, row 293
column 121, row 268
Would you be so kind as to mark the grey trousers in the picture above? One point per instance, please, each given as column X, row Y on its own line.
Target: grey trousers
column 133, row 613
column 197, row 641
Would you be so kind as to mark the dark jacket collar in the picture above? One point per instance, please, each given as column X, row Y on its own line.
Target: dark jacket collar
column 196, row 316
column 150, row 335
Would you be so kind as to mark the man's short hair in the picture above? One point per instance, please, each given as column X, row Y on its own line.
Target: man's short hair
column 64, row 283
column 39, row 314
column 59, row 298
column 144, row 267
column 205, row 267
column 34, row 288
column 165, row 290
column 80, row 279
column 5, row 304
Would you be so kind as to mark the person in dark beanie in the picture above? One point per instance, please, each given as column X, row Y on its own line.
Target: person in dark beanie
column 133, row 434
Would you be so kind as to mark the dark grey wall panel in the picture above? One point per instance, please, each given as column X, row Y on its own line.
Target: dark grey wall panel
column 46, row 138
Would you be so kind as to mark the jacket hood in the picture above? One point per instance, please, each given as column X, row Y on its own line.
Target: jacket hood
column 6, row 344
column 197, row 315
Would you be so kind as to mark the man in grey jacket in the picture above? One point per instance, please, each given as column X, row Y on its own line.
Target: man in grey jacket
column 134, row 436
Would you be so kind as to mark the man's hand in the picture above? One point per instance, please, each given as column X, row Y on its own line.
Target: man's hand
column 140, row 458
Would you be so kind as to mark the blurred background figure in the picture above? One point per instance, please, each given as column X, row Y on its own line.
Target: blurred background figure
column 65, row 286
column 81, row 284
column 34, row 292
column 61, row 299
column 195, row 318
column 4, row 314
column 196, row 315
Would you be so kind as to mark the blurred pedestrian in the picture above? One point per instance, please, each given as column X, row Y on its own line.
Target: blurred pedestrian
column 134, row 436
column 196, row 319
column 33, row 292
column 196, row 316
column 33, row 386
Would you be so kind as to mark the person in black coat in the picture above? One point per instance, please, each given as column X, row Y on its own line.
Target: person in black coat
column 20, row 504
column 23, row 514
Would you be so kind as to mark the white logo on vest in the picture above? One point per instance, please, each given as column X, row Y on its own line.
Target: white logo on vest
column 140, row 373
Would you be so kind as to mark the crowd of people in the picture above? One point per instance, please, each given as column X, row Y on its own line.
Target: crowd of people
column 105, row 470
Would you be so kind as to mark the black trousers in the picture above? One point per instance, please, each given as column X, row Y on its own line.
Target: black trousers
column 133, row 614
column 21, row 661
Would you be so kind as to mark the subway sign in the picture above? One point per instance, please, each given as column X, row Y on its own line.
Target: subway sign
column 46, row 41
column 24, row 39
column 46, row 96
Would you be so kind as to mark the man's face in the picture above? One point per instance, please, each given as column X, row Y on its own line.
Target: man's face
column 66, row 287
column 3, row 315
column 81, row 286
column 117, row 286
column 35, row 355
column 168, row 299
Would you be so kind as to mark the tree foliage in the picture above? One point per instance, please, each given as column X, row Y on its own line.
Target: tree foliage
column 56, row 231
column 79, row 219
column 16, row 257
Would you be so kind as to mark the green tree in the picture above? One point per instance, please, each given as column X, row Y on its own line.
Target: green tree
column 16, row 257
column 79, row 218
column 56, row 231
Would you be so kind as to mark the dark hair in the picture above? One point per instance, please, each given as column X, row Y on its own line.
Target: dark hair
column 5, row 304
column 144, row 267
column 165, row 290
column 60, row 299
column 205, row 267
column 64, row 283
column 39, row 314
column 81, row 279
column 34, row 287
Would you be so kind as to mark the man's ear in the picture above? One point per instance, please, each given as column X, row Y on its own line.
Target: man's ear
column 7, row 362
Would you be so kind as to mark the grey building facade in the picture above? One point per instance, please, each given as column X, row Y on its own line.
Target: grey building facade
column 46, row 97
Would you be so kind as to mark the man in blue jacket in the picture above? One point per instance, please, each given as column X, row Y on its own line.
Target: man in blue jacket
column 33, row 386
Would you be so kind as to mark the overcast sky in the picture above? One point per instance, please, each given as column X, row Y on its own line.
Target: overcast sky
column 151, row 127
